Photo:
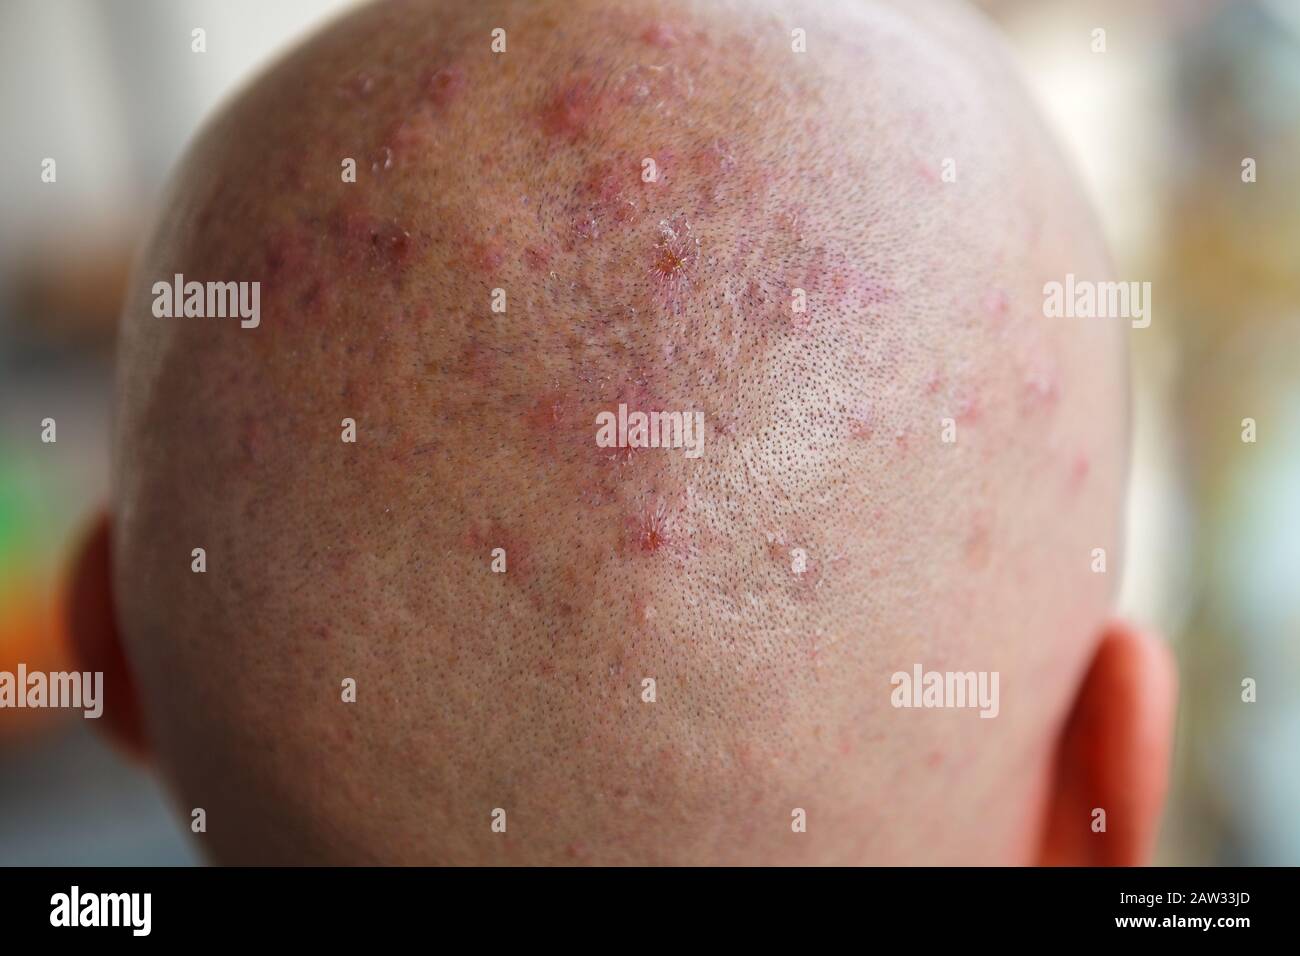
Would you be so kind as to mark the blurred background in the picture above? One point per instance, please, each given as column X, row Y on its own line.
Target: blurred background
column 1159, row 125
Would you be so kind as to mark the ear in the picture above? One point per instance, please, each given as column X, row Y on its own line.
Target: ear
column 1113, row 755
column 96, row 646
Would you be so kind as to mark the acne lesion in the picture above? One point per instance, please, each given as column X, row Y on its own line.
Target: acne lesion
column 659, row 528
column 674, row 257
column 570, row 108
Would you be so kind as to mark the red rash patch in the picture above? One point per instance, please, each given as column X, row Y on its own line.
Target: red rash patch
column 488, row 256
column 383, row 241
column 547, row 413
column 390, row 244
column 483, row 540
column 537, row 259
column 602, row 199
column 569, row 111
column 602, row 182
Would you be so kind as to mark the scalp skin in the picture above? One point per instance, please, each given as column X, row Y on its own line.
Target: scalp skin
column 522, row 691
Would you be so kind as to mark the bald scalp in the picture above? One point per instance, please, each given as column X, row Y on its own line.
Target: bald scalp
column 834, row 257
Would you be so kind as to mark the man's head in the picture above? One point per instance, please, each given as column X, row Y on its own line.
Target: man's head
column 471, row 246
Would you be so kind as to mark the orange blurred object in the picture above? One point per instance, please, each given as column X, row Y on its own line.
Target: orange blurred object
column 33, row 632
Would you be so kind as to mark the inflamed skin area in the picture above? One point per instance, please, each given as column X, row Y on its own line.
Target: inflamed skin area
column 676, row 656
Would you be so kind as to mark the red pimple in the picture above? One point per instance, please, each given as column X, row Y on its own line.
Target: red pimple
column 390, row 243
column 650, row 529
column 382, row 240
column 569, row 111
column 661, row 35
column 668, row 261
column 1079, row 470
column 445, row 85
column 1040, row 389
column 673, row 260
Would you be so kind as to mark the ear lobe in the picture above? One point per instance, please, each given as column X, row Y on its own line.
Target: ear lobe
column 1113, row 756
column 93, row 635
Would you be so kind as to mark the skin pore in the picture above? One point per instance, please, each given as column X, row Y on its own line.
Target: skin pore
column 826, row 538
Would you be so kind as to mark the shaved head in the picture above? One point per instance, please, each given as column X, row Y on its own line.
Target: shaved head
column 834, row 259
